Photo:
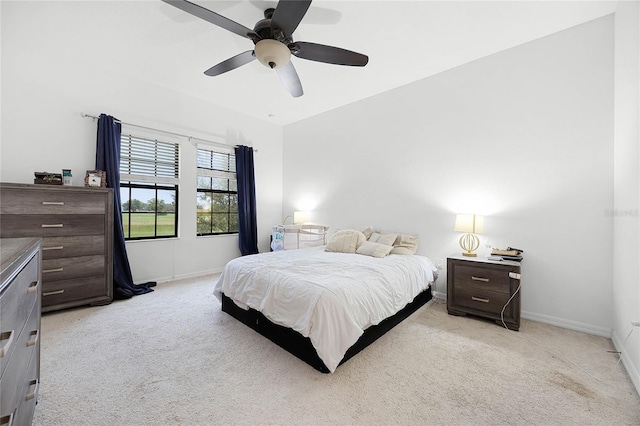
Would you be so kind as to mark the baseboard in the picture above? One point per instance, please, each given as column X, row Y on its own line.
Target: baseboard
column 184, row 276
column 626, row 361
column 568, row 324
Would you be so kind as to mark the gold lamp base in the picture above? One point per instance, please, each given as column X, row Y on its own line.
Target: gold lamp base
column 469, row 243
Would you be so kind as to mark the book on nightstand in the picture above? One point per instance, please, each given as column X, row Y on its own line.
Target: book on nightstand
column 508, row 254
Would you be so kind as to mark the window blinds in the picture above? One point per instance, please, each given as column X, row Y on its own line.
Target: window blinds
column 145, row 160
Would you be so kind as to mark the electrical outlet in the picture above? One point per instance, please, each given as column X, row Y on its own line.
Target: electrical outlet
column 439, row 264
column 635, row 323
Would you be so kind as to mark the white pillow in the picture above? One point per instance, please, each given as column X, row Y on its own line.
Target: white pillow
column 366, row 231
column 369, row 248
column 386, row 239
column 405, row 244
column 345, row 241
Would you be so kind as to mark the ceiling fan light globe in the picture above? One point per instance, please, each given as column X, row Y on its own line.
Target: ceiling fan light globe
column 272, row 53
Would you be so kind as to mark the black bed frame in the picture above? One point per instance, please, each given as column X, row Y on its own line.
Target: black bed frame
column 301, row 346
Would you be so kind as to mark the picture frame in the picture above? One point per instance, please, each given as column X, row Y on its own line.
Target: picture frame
column 95, row 179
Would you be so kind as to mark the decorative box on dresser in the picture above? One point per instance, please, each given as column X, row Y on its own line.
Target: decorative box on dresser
column 20, row 293
column 483, row 287
column 76, row 227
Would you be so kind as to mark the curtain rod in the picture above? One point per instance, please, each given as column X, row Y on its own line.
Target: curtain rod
column 189, row 138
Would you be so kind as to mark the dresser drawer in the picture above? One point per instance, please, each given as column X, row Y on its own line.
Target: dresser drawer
column 29, row 394
column 71, row 267
column 57, row 247
column 484, row 278
column 38, row 225
column 16, row 304
column 68, row 291
column 51, row 201
column 25, row 347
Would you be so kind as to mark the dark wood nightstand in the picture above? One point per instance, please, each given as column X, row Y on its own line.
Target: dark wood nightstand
column 482, row 287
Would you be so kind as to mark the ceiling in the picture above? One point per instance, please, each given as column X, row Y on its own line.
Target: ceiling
column 405, row 40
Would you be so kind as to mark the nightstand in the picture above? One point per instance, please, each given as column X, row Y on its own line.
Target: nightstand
column 482, row 287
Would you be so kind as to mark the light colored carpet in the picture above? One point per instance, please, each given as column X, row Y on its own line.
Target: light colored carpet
column 172, row 357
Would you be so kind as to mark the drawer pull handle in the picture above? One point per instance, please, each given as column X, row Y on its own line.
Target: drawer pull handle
column 46, row 271
column 55, row 225
column 7, row 337
column 53, row 203
column 52, row 248
column 51, row 293
column 477, row 299
column 33, row 338
column 7, row 420
column 35, row 384
column 33, row 287
column 484, row 280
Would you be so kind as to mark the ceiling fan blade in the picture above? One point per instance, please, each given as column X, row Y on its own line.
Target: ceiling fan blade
column 290, row 79
column 288, row 15
column 328, row 54
column 210, row 16
column 231, row 63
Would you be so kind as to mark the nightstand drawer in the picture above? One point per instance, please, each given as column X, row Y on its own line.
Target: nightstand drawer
column 483, row 278
column 490, row 302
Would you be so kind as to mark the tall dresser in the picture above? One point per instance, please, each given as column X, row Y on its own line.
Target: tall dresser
column 19, row 329
column 76, row 227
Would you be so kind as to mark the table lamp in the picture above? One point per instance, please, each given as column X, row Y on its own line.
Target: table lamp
column 300, row 217
column 470, row 224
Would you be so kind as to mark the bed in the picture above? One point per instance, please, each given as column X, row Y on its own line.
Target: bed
column 324, row 306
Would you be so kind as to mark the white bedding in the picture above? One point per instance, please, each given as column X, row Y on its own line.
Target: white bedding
column 329, row 297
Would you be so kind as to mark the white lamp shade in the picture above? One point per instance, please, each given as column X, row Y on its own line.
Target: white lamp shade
column 469, row 223
column 272, row 53
column 301, row 217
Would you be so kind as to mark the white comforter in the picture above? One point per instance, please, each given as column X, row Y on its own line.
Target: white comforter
column 329, row 297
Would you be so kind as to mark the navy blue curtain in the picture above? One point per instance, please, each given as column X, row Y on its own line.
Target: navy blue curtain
column 247, row 222
column 108, row 159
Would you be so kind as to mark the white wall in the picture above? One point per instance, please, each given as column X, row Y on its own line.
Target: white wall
column 46, row 85
column 524, row 137
column 626, row 247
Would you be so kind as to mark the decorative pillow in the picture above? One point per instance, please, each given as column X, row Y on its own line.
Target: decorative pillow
column 386, row 239
column 369, row 248
column 345, row 241
column 405, row 244
column 367, row 231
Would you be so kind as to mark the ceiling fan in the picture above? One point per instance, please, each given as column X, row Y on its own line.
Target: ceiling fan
column 274, row 45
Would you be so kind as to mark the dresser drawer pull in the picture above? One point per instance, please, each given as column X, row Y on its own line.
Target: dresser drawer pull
column 477, row 299
column 46, row 271
column 55, row 225
column 53, row 203
column 35, row 384
column 51, row 293
column 7, row 338
column 484, row 280
column 7, row 420
column 53, row 248
column 33, row 287
column 33, row 337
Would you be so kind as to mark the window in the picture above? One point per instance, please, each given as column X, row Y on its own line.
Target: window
column 148, row 188
column 217, row 193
